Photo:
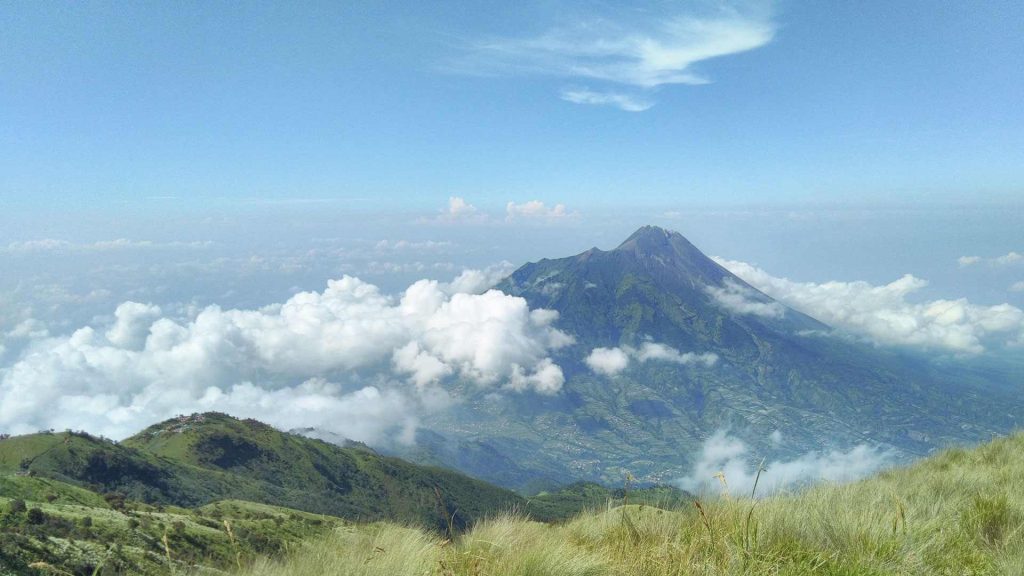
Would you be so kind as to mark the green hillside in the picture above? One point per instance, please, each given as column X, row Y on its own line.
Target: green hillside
column 958, row 513
column 192, row 461
column 51, row 527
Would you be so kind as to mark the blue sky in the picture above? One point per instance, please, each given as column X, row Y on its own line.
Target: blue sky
column 189, row 190
column 402, row 106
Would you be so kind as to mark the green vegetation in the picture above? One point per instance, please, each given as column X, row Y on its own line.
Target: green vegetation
column 47, row 526
column 571, row 500
column 195, row 460
column 960, row 512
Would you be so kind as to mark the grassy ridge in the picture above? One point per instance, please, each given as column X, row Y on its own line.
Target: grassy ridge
column 47, row 526
column 194, row 460
column 960, row 512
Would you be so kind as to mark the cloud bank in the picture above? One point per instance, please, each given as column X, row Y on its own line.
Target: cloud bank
column 886, row 315
column 52, row 245
column 349, row 359
column 742, row 300
column 612, row 361
column 726, row 465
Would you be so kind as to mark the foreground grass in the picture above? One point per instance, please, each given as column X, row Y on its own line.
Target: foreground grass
column 961, row 512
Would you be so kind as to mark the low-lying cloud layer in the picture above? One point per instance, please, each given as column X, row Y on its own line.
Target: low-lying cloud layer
column 886, row 315
column 612, row 361
column 350, row 360
column 726, row 464
column 742, row 300
column 65, row 246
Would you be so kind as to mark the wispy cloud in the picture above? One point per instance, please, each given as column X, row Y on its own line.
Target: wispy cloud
column 1009, row 258
column 54, row 245
column 460, row 211
column 1004, row 260
column 641, row 55
column 627, row 102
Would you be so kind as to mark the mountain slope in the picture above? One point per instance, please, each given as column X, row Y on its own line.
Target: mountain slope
column 960, row 512
column 777, row 370
column 194, row 460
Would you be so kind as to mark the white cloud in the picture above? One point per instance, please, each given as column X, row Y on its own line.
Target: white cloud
column 132, row 325
column 730, row 457
column 1017, row 286
column 1008, row 258
column 886, row 315
column 607, row 361
column 742, row 300
column 535, row 210
column 639, row 54
column 349, row 348
column 612, row 361
column 965, row 261
column 476, row 281
column 459, row 210
column 655, row 351
column 1004, row 260
column 622, row 101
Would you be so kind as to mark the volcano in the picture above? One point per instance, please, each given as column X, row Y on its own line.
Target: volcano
column 708, row 352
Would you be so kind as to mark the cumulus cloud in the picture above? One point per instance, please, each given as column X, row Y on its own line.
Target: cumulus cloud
column 476, row 281
column 132, row 324
column 612, row 361
column 535, row 210
column 627, row 102
column 1008, row 258
column 607, row 361
column 726, row 465
column 742, row 300
column 886, row 315
column 459, row 210
column 375, row 360
column 965, row 261
column 1017, row 286
column 641, row 55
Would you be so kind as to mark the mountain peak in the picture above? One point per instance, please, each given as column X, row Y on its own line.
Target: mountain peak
column 649, row 234
column 655, row 241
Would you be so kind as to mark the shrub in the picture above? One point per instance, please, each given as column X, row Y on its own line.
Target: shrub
column 17, row 506
column 36, row 516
